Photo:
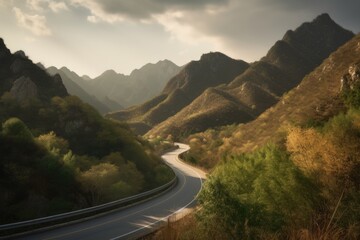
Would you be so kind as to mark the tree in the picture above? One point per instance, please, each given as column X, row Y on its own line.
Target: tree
column 97, row 179
column 260, row 190
column 14, row 127
column 53, row 143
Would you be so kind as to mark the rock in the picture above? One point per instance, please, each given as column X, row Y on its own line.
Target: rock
column 24, row 89
column 21, row 54
column 4, row 51
column 351, row 78
column 18, row 65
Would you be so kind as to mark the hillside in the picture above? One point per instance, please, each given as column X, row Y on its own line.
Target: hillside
column 263, row 83
column 58, row 153
column 315, row 99
column 112, row 91
column 74, row 89
column 296, row 161
column 211, row 70
column 141, row 85
column 25, row 81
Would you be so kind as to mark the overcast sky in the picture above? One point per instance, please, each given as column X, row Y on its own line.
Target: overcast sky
column 91, row 36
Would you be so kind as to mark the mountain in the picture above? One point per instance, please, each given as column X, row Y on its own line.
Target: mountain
column 25, row 81
column 74, row 89
column 141, row 85
column 263, row 83
column 211, row 70
column 111, row 90
column 315, row 99
column 58, row 154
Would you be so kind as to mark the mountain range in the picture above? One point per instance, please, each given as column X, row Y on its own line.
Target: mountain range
column 262, row 84
column 211, row 70
column 50, row 140
column 316, row 98
column 112, row 91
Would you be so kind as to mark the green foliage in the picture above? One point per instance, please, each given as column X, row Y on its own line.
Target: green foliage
column 330, row 155
column 14, row 127
column 32, row 179
column 54, row 144
column 163, row 174
column 72, row 139
column 351, row 97
column 262, row 190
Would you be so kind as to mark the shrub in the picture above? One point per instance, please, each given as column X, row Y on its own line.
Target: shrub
column 262, row 190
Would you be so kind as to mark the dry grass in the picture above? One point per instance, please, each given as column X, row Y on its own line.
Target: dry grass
column 176, row 229
column 188, row 228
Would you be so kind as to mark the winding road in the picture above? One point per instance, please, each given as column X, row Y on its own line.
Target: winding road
column 137, row 220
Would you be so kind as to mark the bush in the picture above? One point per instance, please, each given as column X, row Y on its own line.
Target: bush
column 258, row 191
column 14, row 127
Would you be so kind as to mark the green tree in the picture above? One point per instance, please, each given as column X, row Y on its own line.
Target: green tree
column 14, row 127
column 96, row 181
column 53, row 143
column 261, row 190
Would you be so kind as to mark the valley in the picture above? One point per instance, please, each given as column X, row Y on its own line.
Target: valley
column 277, row 136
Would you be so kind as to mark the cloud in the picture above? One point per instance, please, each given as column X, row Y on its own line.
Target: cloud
column 188, row 33
column 36, row 5
column 237, row 27
column 58, row 6
column 42, row 5
column 35, row 23
column 97, row 12
column 119, row 10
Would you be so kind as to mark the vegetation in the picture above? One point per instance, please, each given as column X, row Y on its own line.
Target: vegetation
column 315, row 100
column 182, row 89
column 162, row 145
column 305, row 185
column 58, row 153
column 67, row 157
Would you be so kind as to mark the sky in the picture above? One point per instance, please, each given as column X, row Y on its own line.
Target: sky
column 91, row 36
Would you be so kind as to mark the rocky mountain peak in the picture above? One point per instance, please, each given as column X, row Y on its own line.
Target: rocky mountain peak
column 110, row 74
column 4, row 51
column 308, row 44
column 214, row 57
column 20, row 54
column 164, row 65
column 324, row 19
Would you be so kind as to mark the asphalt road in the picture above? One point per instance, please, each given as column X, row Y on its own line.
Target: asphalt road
column 134, row 221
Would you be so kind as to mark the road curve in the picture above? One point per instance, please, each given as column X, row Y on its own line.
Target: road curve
column 134, row 221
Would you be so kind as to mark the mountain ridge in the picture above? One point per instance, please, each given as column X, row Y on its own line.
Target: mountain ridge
column 210, row 70
column 262, row 84
column 316, row 99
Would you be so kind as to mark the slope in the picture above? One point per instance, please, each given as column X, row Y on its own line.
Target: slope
column 261, row 85
column 316, row 98
column 59, row 154
column 211, row 70
column 22, row 79
column 74, row 89
column 141, row 85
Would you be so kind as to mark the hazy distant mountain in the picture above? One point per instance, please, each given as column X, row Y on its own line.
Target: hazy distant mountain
column 25, row 81
column 74, row 89
column 141, row 85
column 263, row 83
column 111, row 90
column 211, row 70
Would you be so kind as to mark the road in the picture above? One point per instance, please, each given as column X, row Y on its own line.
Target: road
column 134, row 221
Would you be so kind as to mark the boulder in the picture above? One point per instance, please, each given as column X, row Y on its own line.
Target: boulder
column 24, row 89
